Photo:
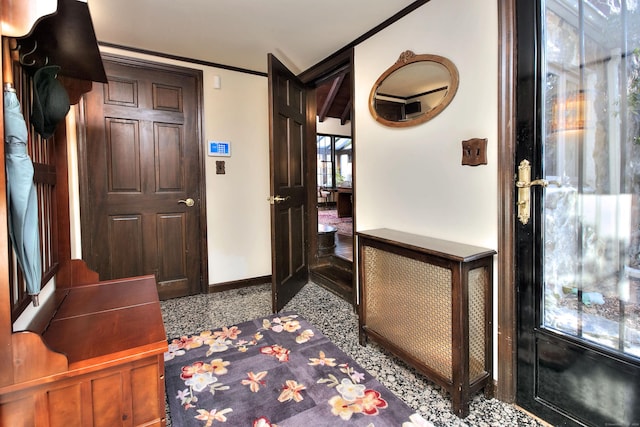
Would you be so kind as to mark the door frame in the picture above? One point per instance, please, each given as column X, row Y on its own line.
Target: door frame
column 83, row 165
column 311, row 77
column 506, row 303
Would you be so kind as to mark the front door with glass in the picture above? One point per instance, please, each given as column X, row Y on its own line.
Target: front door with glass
column 578, row 241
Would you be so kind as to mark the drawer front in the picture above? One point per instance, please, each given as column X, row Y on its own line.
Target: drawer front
column 131, row 394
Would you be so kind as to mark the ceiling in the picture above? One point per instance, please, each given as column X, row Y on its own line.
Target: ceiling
column 240, row 33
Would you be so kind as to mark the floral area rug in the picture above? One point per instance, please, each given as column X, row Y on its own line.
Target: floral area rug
column 274, row 371
column 330, row 217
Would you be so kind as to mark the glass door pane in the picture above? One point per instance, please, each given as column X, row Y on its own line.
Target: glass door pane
column 591, row 136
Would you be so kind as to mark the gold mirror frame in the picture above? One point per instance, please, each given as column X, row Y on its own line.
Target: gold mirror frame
column 405, row 60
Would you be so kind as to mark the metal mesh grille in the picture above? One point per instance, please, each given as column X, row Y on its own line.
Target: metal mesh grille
column 477, row 323
column 409, row 303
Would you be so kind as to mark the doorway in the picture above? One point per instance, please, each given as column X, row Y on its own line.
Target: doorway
column 335, row 194
column 577, row 233
column 333, row 164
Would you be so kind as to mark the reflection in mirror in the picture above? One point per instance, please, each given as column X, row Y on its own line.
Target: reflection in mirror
column 413, row 90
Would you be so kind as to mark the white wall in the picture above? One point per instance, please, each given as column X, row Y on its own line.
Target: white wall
column 332, row 126
column 238, row 215
column 411, row 179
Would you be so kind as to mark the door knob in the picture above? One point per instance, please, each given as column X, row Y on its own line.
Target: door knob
column 189, row 202
column 276, row 199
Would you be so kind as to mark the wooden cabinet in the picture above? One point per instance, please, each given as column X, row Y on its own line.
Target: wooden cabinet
column 429, row 301
column 103, row 354
column 344, row 202
column 127, row 394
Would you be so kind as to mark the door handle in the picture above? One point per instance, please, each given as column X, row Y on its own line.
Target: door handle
column 524, row 184
column 276, row 199
column 189, row 202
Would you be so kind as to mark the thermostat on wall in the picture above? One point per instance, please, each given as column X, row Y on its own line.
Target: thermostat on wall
column 219, row 148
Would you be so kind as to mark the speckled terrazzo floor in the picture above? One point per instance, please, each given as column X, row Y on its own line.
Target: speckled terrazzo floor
column 330, row 314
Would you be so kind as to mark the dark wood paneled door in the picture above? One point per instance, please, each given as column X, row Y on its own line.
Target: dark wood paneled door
column 287, row 110
column 142, row 201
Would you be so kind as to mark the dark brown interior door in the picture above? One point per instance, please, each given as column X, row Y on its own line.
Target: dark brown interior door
column 287, row 111
column 141, row 198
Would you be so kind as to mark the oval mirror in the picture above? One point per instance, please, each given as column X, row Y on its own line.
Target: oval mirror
column 413, row 90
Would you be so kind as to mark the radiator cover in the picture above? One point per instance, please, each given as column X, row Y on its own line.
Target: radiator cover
column 429, row 301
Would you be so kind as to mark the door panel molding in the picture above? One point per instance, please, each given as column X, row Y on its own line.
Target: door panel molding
column 289, row 183
column 164, row 110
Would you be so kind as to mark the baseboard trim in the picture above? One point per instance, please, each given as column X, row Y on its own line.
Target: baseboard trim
column 237, row 284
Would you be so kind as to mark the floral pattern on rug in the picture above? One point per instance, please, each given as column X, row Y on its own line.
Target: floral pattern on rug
column 276, row 371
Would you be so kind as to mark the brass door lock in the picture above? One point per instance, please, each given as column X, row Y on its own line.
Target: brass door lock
column 524, row 184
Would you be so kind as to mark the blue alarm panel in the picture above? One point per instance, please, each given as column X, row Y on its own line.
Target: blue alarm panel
column 220, row 148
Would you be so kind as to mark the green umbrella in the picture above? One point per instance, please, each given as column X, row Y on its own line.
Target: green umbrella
column 21, row 195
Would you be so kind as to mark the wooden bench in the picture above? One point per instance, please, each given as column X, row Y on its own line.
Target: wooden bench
column 99, row 360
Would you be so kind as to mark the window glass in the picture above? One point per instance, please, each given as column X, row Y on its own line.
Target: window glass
column 325, row 162
column 334, row 161
column 592, row 162
column 343, row 162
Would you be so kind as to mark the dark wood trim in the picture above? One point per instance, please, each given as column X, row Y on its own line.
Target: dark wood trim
column 354, row 174
column 182, row 58
column 204, row 246
column 237, row 284
column 311, row 158
column 62, row 208
column 335, row 87
column 506, row 389
column 83, row 170
column 331, row 67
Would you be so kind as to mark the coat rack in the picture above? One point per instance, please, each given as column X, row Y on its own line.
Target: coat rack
column 65, row 38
